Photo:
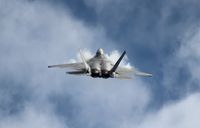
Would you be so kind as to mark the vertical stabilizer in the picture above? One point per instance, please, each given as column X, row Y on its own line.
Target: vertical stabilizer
column 118, row 62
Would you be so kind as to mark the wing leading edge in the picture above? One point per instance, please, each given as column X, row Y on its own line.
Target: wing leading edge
column 76, row 66
column 128, row 71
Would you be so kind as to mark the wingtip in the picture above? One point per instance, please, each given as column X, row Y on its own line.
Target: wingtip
column 150, row 75
column 138, row 73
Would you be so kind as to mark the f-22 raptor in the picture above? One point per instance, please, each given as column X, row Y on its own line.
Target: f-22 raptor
column 100, row 66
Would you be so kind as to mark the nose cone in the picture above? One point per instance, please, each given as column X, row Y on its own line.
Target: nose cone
column 99, row 52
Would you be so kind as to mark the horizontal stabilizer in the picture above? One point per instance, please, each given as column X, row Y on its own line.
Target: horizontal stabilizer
column 76, row 72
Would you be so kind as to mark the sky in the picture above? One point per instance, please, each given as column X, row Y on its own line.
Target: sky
column 160, row 37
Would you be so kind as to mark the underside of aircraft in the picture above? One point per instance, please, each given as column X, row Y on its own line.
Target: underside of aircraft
column 100, row 67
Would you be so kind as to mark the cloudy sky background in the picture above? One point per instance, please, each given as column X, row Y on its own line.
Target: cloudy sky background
column 161, row 37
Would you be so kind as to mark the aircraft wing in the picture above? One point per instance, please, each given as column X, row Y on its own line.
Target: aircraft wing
column 123, row 77
column 76, row 66
column 139, row 73
column 124, row 70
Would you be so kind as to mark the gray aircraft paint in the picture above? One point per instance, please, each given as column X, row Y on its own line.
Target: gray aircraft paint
column 100, row 66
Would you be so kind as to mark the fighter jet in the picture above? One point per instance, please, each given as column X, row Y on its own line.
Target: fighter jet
column 100, row 66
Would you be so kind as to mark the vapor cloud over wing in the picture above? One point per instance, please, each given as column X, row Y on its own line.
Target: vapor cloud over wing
column 113, row 56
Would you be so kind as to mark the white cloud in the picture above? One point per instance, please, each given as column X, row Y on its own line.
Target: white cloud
column 33, row 118
column 34, row 35
column 183, row 114
column 109, row 102
column 185, row 58
column 189, row 53
column 179, row 114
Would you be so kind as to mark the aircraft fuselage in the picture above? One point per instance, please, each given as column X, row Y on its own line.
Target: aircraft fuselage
column 100, row 67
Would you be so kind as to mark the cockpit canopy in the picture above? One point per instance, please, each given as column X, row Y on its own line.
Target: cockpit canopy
column 99, row 52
